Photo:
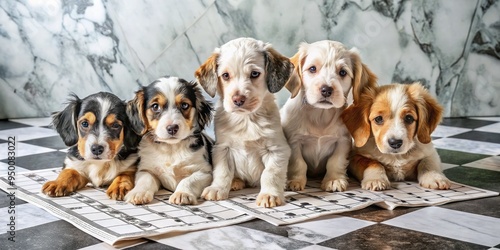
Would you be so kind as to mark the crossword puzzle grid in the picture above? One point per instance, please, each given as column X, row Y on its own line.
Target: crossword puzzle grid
column 314, row 202
column 111, row 220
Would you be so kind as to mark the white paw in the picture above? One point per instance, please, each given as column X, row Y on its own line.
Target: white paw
column 375, row 184
column 181, row 198
column 296, row 184
column 339, row 185
column 138, row 197
column 268, row 200
column 215, row 193
column 434, row 180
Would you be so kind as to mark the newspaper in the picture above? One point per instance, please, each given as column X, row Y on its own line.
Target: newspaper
column 116, row 222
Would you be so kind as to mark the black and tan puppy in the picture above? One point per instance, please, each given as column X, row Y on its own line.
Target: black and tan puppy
column 103, row 147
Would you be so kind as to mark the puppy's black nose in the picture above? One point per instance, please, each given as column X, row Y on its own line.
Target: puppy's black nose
column 97, row 149
column 326, row 91
column 172, row 129
column 239, row 100
column 395, row 143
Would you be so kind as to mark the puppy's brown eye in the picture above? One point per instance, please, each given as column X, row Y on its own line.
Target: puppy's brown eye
column 342, row 73
column 254, row 74
column 409, row 119
column 379, row 120
column 312, row 69
column 116, row 125
column 184, row 106
column 155, row 107
column 85, row 124
column 225, row 76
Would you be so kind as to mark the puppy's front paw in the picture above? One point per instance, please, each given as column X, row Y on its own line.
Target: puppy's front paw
column 375, row 184
column 214, row 194
column 181, row 198
column 434, row 180
column 339, row 185
column 237, row 184
column 267, row 200
column 138, row 197
column 118, row 191
column 296, row 184
column 58, row 188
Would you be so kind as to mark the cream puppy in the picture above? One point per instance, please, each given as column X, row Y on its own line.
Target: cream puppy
column 325, row 73
column 250, row 148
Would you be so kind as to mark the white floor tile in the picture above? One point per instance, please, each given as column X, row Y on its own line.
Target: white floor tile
column 492, row 128
column 490, row 163
column 325, row 228
column 24, row 134
column 23, row 149
column 446, row 131
column 26, row 216
column 476, row 147
column 37, row 122
column 477, row 229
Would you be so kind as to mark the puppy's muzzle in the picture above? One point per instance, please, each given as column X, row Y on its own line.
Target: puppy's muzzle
column 172, row 129
column 395, row 143
column 97, row 149
column 239, row 100
column 326, row 91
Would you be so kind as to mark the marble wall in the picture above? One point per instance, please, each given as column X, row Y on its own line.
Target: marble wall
column 50, row 48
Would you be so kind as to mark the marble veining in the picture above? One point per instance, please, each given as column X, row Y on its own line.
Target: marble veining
column 51, row 48
column 467, row 227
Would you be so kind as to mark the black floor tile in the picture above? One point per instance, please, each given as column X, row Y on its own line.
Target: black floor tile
column 5, row 200
column 53, row 235
column 54, row 142
column 4, row 124
column 479, row 136
column 40, row 161
column 484, row 206
column 381, row 236
column 465, row 123
column 481, row 178
column 378, row 214
column 3, row 141
column 458, row 158
column 265, row 227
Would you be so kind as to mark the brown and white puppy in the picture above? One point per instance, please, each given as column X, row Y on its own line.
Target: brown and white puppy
column 103, row 147
column 392, row 127
column 250, row 149
column 325, row 73
column 175, row 153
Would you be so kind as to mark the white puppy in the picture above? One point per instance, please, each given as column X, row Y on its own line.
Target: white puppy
column 250, row 148
column 325, row 72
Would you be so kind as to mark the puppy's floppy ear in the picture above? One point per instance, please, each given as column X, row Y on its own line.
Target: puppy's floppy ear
column 278, row 69
column 363, row 77
column 429, row 111
column 136, row 112
column 295, row 82
column 131, row 138
column 206, row 74
column 356, row 119
column 65, row 121
column 204, row 108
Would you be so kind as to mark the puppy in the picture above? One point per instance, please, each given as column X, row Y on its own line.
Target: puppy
column 250, row 149
column 103, row 147
column 392, row 127
column 175, row 153
column 325, row 73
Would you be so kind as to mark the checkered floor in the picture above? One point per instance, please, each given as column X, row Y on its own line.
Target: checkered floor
column 469, row 149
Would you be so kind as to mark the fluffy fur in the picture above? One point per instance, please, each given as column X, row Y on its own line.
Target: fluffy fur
column 325, row 73
column 175, row 152
column 251, row 149
column 392, row 127
column 103, row 147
